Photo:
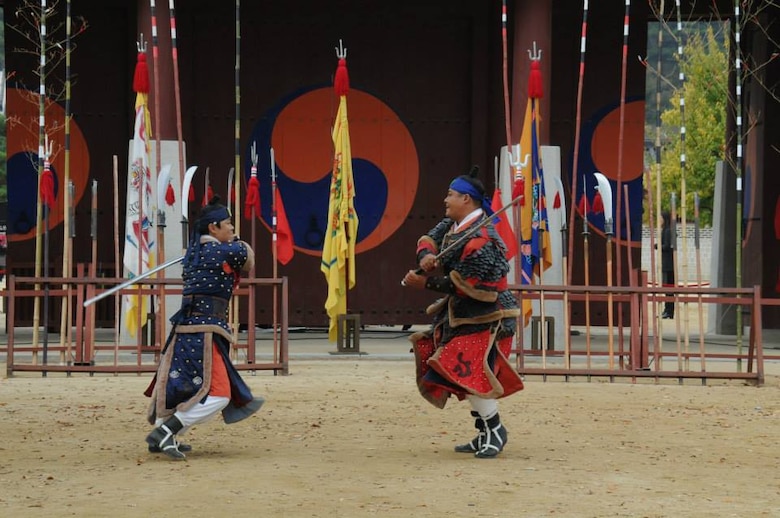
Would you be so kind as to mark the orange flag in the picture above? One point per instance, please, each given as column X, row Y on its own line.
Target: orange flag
column 502, row 227
column 284, row 235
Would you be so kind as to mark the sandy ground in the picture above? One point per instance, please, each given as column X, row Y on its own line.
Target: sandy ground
column 351, row 437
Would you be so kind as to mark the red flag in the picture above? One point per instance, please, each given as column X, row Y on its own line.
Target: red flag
column 503, row 228
column 284, row 235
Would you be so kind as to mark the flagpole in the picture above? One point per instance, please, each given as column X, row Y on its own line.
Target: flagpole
column 238, row 177
column 117, row 270
column 586, row 252
column 621, row 350
column 338, row 260
column 657, row 275
column 698, row 277
column 560, row 202
column 618, row 186
column 575, row 163
column 179, row 131
column 48, row 205
column 161, row 223
column 683, row 174
column 93, row 236
column 534, row 93
column 41, row 151
column 274, row 239
column 65, row 310
column 507, row 127
column 142, row 186
column 738, row 170
column 71, row 235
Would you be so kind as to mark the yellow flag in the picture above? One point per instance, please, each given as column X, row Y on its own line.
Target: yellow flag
column 338, row 252
column 139, row 232
column 535, row 249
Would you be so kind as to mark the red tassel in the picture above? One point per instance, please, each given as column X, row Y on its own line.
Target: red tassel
column 583, row 206
column 209, row 194
column 141, row 77
column 557, row 201
column 518, row 189
column 341, row 81
column 191, row 194
column 598, row 204
column 535, row 81
column 252, row 198
column 47, row 188
column 170, row 195
column 232, row 195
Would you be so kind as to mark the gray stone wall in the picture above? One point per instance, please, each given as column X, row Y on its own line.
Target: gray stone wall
column 686, row 253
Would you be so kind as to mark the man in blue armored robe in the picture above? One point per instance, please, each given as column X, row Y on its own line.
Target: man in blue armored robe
column 465, row 352
column 195, row 379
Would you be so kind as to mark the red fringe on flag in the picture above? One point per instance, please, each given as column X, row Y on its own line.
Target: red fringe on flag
column 47, row 188
column 598, row 204
column 341, row 81
column 209, row 194
column 141, row 77
column 557, row 201
column 583, row 206
column 252, row 198
column 170, row 196
column 535, row 90
column 232, row 195
column 191, row 194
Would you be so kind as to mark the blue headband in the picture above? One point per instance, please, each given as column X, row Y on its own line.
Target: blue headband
column 465, row 187
column 215, row 215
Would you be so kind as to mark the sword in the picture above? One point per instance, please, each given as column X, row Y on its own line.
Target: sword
column 469, row 233
column 132, row 281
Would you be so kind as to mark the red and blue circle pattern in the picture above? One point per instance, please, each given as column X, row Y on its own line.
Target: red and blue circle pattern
column 384, row 163
column 22, row 164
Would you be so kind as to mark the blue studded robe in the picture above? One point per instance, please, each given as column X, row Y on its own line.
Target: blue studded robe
column 211, row 271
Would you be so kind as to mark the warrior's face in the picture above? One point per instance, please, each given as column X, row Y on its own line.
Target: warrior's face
column 223, row 230
column 457, row 205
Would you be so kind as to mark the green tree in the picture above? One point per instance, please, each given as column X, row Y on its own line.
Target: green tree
column 705, row 91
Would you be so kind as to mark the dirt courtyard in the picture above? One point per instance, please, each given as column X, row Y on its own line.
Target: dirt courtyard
column 351, row 437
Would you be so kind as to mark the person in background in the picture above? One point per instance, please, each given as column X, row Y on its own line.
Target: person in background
column 667, row 260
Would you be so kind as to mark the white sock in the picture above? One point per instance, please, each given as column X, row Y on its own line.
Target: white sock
column 202, row 412
column 486, row 408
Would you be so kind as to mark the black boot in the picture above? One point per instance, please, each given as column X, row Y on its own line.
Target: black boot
column 184, row 448
column 475, row 444
column 495, row 438
column 164, row 438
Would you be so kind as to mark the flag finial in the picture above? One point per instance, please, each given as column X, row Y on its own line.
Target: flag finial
column 141, row 75
column 535, row 90
column 341, row 80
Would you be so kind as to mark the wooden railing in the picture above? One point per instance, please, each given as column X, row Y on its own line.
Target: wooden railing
column 88, row 348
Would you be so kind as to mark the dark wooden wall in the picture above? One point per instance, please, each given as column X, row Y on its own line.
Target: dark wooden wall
column 437, row 64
